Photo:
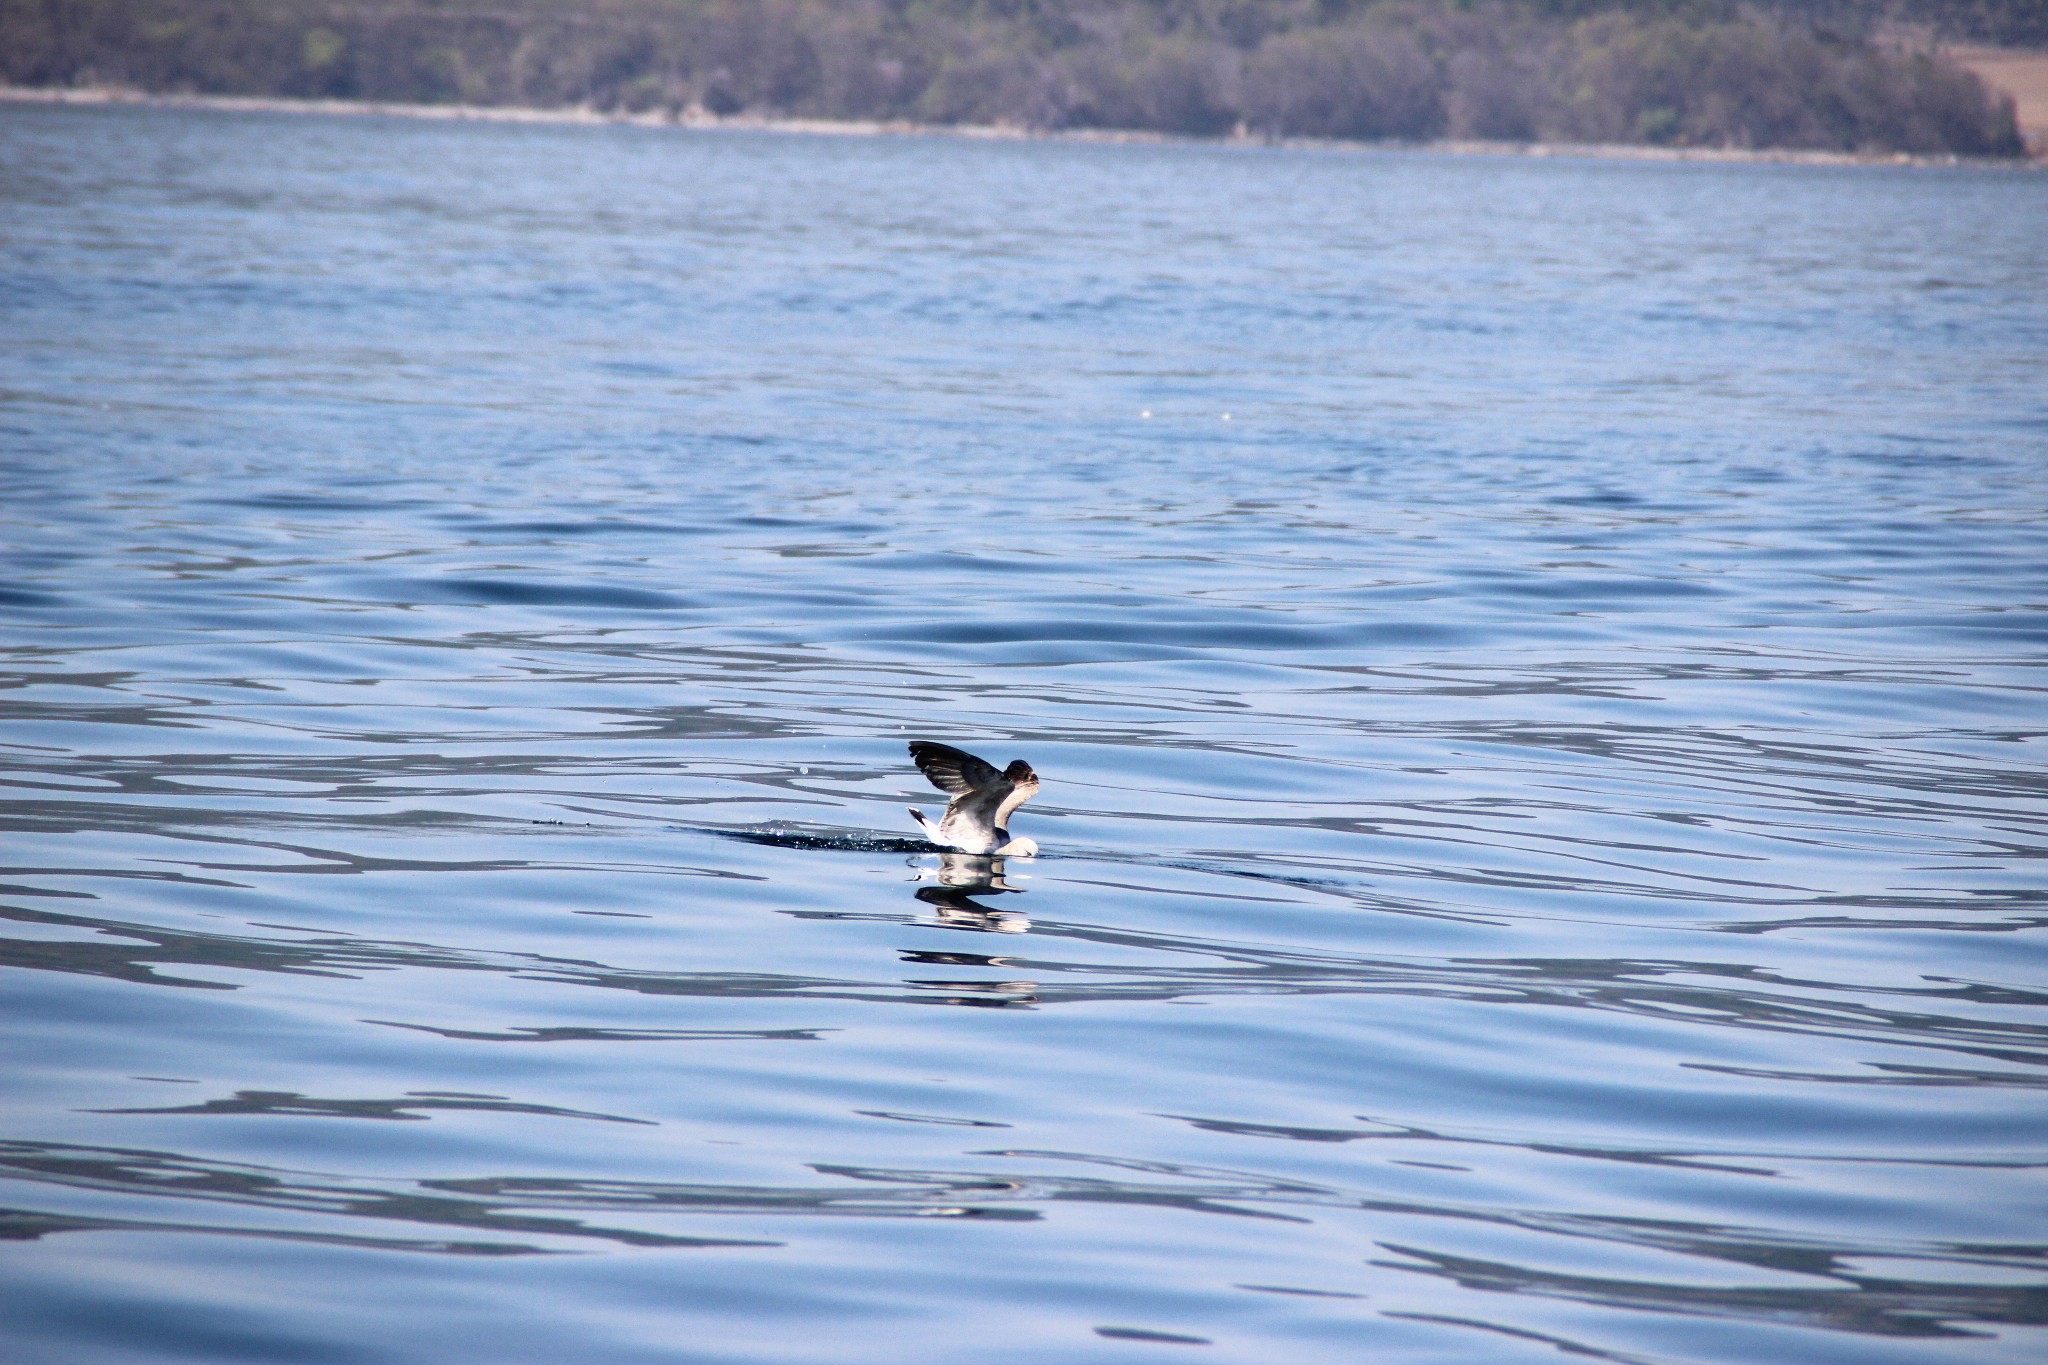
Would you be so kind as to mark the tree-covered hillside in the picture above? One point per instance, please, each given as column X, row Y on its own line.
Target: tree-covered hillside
column 1796, row 73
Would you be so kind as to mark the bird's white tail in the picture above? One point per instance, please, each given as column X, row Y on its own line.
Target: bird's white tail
column 924, row 824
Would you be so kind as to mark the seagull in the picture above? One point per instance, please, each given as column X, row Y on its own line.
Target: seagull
column 977, row 820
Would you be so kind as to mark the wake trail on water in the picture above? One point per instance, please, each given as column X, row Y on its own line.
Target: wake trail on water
column 823, row 838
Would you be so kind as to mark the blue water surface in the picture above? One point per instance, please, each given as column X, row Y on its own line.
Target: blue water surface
column 1536, row 667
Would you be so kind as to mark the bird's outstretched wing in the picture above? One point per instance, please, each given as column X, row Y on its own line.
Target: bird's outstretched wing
column 950, row 769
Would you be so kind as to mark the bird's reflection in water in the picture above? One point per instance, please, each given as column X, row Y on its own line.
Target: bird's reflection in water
column 957, row 880
column 952, row 887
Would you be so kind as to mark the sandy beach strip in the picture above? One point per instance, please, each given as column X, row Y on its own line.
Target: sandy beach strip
column 698, row 119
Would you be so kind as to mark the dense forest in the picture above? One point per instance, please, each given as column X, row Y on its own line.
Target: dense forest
column 1714, row 73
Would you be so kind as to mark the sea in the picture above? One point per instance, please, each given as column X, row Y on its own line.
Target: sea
column 1535, row 666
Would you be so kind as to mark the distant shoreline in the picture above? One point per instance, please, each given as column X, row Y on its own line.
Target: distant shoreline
column 266, row 104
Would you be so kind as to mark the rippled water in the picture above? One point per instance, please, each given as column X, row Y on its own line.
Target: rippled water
column 1542, row 811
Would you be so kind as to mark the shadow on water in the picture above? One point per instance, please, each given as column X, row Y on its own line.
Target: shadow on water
column 529, row 1215
column 289, row 1103
column 1453, row 863
column 1733, row 995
